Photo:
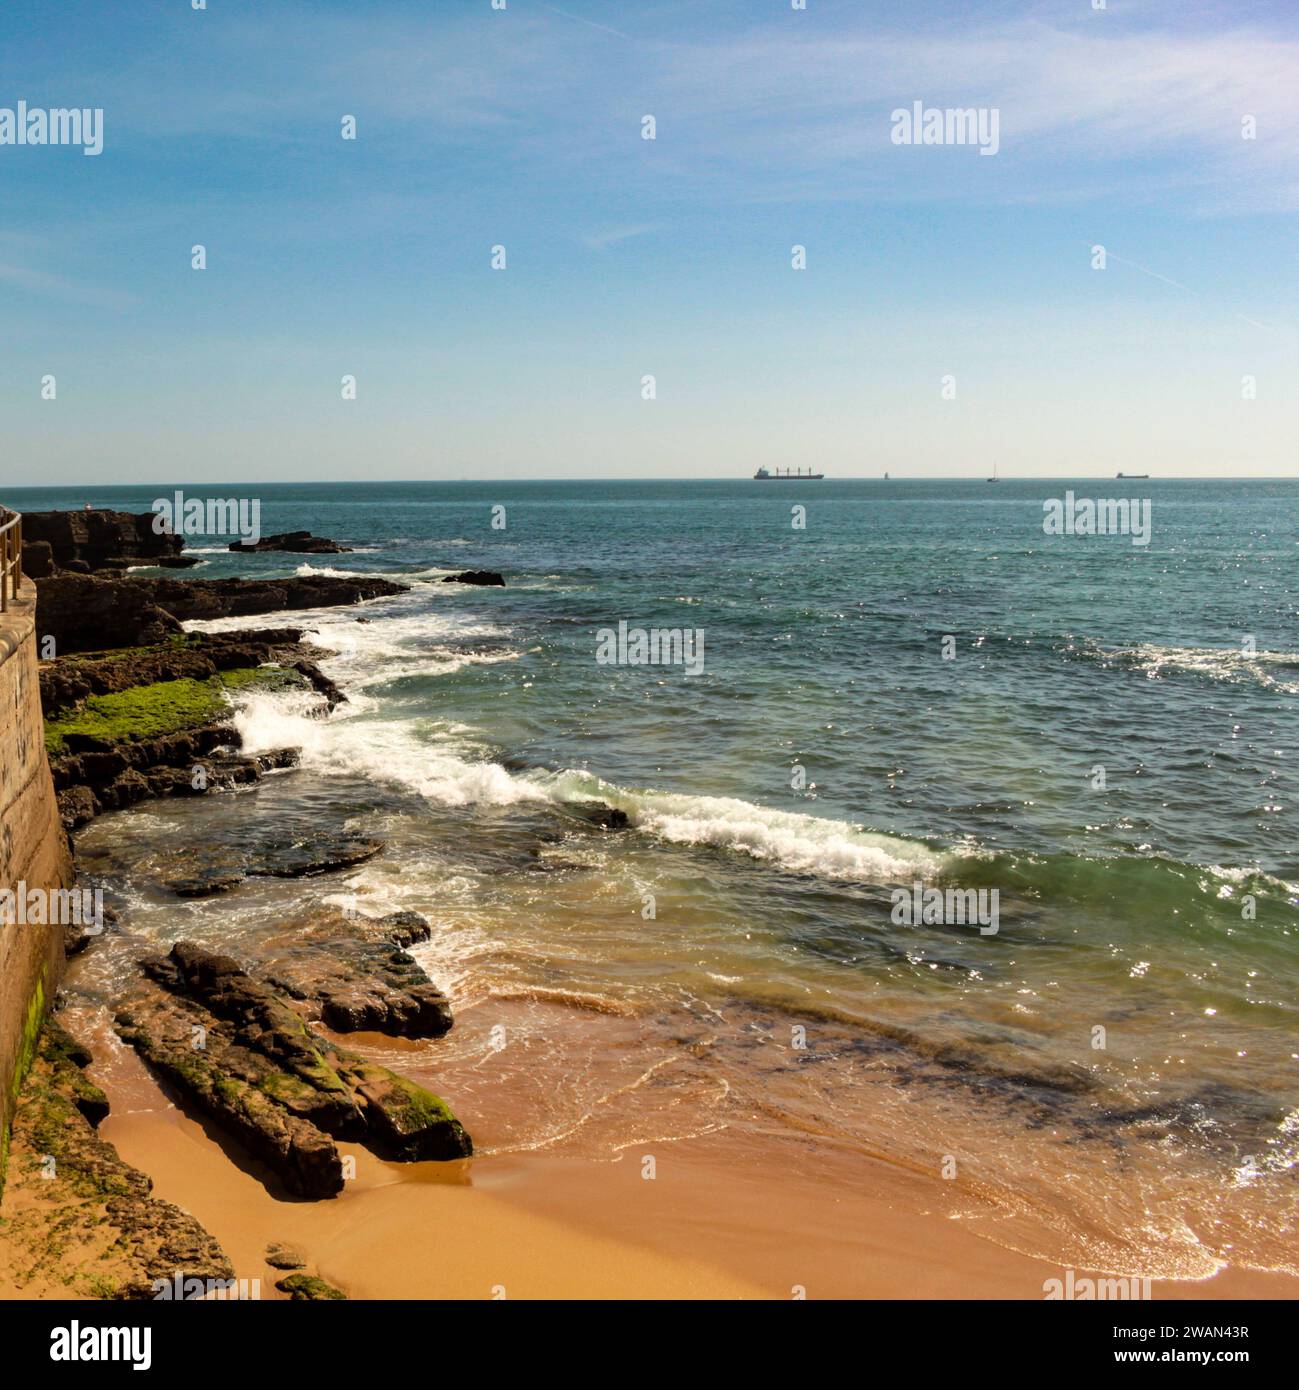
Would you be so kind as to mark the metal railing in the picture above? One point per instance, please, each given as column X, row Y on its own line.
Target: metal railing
column 11, row 556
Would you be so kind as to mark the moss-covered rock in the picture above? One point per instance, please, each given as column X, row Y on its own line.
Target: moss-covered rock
column 78, row 1221
column 151, row 711
column 238, row 1052
column 304, row 1287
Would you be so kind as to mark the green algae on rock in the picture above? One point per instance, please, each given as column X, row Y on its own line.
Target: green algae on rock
column 261, row 1072
column 166, row 707
column 78, row 1220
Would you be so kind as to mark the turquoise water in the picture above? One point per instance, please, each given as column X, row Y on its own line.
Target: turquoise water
column 1111, row 748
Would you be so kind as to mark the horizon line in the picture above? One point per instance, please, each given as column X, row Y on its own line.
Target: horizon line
column 729, row 478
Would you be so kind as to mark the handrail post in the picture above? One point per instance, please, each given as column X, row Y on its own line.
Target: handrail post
column 11, row 559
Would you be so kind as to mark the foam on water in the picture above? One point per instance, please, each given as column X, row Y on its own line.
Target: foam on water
column 1271, row 670
column 441, row 765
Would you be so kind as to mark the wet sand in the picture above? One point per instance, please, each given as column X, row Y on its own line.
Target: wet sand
column 719, row 1219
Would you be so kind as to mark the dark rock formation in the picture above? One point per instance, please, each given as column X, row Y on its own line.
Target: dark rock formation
column 38, row 559
column 199, row 656
column 309, row 855
column 213, row 870
column 488, row 577
column 262, row 1074
column 84, row 614
column 601, row 816
column 111, row 779
column 296, row 542
column 98, row 539
column 358, row 977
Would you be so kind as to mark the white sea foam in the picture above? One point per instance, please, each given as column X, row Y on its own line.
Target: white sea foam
column 788, row 838
column 439, row 764
column 369, row 738
column 1273, row 670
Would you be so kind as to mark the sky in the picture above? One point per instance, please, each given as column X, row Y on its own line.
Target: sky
column 949, row 315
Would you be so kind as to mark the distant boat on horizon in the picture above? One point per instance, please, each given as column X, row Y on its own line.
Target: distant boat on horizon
column 993, row 479
column 1132, row 475
column 789, row 475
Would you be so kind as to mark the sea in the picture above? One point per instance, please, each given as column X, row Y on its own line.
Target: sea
column 872, row 695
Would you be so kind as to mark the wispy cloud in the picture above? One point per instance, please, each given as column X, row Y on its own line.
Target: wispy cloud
column 1146, row 105
column 44, row 284
column 612, row 236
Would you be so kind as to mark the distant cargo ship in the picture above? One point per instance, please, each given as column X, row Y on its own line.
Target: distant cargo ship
column 786, row 475
column 1132, row 475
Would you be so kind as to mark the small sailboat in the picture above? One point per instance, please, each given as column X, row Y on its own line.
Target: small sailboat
column 993, row 479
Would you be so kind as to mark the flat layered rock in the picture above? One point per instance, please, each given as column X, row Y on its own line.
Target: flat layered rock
column 358, row 977
column 310, row 855
column 85, row 612
column 217, row 869
column 261, row 1073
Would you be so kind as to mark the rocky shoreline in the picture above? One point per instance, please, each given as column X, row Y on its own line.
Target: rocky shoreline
column 136, row 708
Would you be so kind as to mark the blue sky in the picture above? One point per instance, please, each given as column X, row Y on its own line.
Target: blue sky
column 627, row 257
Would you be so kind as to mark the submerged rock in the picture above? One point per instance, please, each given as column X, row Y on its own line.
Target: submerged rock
column 484, row 577
column 309, row 855
column 210, row 870
column 601, row 816
column 296, row 542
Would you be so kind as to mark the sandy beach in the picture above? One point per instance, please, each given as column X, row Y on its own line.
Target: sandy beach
column 758, row 1220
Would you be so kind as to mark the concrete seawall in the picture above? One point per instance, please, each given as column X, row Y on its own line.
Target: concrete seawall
column 33, row 851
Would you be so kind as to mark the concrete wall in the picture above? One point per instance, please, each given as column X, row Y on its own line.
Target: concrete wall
column 33, row 850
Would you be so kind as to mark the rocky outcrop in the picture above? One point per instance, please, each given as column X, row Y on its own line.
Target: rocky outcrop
column 198, row 656
column 78, row 613
column 263, row 1075
column 97, row 540
column 356, row 976
column 296, row 542
column 82, row 613
column 91, row 783
column 83, row 1220
column 141, row 722
column 484, row 577
column 212, row 870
